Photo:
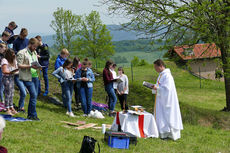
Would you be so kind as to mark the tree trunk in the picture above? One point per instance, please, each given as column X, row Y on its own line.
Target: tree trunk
column 225, row 55
column 227, row 91
column 96, row 64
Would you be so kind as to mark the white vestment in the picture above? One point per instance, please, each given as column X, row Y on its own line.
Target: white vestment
column 168, row 116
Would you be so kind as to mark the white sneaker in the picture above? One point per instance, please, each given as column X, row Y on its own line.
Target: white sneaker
column 84, row 115
column 67, row 113
column 71, row 114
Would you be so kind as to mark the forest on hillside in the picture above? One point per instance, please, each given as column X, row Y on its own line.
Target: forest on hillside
column 140, row 45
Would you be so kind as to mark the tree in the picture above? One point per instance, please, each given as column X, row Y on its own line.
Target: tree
column 142, row 62
column 66, row 25
column 94, row 39
column 135, row 61
column 175, row 20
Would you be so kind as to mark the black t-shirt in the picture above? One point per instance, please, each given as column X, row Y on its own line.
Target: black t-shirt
column 83, row 74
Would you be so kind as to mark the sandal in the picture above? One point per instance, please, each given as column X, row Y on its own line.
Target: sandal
column 13, row 111
column 9, row 112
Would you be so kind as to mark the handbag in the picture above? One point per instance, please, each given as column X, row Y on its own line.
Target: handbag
column 88, row 145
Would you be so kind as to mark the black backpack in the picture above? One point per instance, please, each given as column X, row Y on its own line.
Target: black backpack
column 88, row 145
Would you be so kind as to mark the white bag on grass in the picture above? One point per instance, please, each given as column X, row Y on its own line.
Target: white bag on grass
column 96, row 114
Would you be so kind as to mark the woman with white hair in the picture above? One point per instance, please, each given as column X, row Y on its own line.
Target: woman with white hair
column 2, row 126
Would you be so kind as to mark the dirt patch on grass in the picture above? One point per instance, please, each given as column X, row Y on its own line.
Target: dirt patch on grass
column 205, row 122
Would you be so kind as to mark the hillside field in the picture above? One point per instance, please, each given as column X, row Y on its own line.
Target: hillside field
column 206, row 128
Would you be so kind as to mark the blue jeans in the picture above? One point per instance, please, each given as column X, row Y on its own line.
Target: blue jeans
column 46, row 80
column 36, row 82
column 112, row 96
column 86, row 99
column 67, row 92
column 1, row 87
column 22, row 90
column 33, row 98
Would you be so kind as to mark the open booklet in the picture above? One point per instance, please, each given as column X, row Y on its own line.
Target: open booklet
column 73, row 79
column 14, row 70
column 35, row 63
column 148, row 85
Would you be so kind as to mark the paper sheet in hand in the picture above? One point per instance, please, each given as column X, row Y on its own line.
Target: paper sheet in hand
column 148, row 85
column 118, row 80
column 35, row 63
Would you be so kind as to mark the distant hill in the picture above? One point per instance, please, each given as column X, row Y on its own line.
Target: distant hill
column 137, row 45
column 49, row 39
column 118, row 35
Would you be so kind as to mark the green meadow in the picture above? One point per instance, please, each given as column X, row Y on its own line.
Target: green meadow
column 129, row 55
column 206, row 128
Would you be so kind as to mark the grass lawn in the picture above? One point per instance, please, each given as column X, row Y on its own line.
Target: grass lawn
column 206, row 128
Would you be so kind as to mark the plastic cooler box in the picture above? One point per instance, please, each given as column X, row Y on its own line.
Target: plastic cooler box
column 120, row 140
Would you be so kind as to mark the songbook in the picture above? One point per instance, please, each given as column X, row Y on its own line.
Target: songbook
column 148, row 85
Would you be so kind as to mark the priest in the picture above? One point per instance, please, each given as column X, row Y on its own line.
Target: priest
column 166, row 108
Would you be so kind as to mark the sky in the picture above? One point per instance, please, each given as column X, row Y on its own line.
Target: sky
column 36, row 16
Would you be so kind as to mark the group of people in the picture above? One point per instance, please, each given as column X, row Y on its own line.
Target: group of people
column 17, row 55
column 75, row 76
column 115, row 85
column 79, row 77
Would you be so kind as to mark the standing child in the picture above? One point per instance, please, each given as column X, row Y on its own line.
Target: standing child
column 10, row 28
column 114, row 73
column 21, row 42
column 61, row 58
column 9, row 64
column 43, row 57
column 65, row 75
column 108, row 83
column 90, row 65
column 123, row 89
column 86, row 77
column 76, row 66
column 2, row 52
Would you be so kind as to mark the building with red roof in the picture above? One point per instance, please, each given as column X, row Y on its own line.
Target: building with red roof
column 200, row 59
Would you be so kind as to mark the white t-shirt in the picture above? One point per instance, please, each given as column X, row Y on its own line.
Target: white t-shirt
column 114, row 73
column 69, row 74
column 125, row 83
column 9, row 67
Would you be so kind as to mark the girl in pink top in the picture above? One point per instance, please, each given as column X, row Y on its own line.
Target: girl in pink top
column 9, row 68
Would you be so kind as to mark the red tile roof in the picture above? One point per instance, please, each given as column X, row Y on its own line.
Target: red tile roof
column 197, row 51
